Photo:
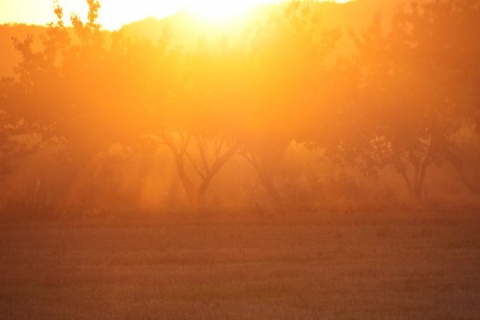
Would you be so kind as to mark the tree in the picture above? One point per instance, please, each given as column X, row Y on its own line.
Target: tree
column 447, row 32
column 12, row 150
column 84, row 88
column 412, row 93
column 196, row 120
column 289, row 50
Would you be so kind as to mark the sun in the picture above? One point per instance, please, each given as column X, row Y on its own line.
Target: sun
column 221, row 10
column 226, row 10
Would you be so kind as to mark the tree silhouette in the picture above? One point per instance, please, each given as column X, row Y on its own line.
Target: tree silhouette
column 412, row 88
column 446, row 32
column 289, row 50
column 407, row 99
column 12, row 149
column 196, row 119
column 69, row 87
column 443, row 34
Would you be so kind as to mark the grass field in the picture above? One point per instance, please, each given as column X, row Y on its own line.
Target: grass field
column 348, row 266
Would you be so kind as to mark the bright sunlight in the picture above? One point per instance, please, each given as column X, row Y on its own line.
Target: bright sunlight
column 225, row 10
column 222, row 10
column 113, row 14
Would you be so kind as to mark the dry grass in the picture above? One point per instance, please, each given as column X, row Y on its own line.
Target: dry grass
column 389, row 266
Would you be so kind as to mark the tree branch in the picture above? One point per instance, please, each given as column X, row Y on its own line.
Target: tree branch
column 201, row 148
column 195, row 167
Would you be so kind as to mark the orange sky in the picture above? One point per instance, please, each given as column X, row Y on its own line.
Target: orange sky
column 114, row 13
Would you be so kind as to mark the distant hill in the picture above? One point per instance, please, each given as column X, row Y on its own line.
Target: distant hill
column 186, row 30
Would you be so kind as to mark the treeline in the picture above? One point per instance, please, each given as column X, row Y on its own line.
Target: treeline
column 92, row 118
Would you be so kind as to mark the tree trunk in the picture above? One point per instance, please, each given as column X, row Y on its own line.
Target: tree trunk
column 267, row 182
column 457, row 164
column 188, row 185
column 195, row 192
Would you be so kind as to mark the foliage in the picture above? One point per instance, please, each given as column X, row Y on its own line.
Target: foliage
column 407, row 99
column 413, row 89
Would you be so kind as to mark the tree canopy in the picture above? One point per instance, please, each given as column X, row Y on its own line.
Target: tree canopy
column 406, row 100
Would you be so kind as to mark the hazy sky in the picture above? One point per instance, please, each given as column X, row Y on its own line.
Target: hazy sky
column 114, row 13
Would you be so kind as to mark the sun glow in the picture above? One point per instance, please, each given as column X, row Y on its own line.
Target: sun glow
column 222, row 10
column 113, row 13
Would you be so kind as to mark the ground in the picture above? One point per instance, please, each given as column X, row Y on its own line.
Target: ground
column 415, row 265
